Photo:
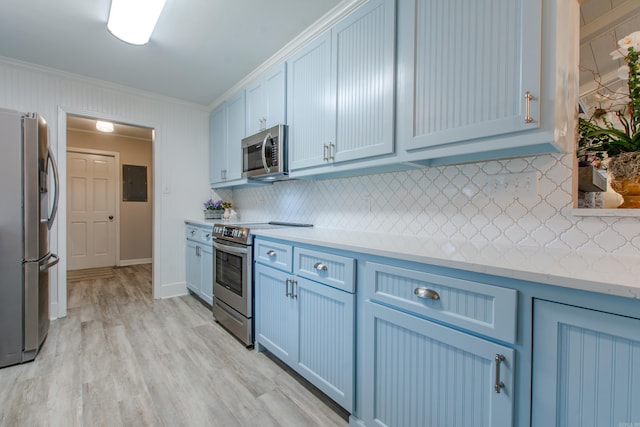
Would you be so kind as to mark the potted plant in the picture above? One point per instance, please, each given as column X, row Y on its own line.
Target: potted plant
column 213, row 210
column 616, row 131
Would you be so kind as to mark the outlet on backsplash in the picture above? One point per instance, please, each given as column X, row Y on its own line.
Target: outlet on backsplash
column 523, row 185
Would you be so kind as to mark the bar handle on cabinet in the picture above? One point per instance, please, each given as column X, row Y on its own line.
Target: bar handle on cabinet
column 426, row 293
column 331, row 150
column 528, row 97
column 271, row 253
column 320, row 266
column 294, row 294
column 499, row 384
column 324, row 152
column 286, row 283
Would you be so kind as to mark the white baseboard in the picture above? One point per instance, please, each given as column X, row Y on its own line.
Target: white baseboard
column 128, row 262
column 170, row 290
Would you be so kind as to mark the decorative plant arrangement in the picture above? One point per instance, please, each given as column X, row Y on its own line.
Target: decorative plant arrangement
column 616, row 131
column 216, row 209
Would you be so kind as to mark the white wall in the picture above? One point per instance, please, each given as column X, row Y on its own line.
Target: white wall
column 449, row 203
column 180, row 156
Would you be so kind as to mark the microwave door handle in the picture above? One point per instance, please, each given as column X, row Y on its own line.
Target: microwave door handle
column 264, row 154
column 54, row 208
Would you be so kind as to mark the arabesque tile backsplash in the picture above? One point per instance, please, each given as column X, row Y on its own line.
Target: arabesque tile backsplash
column 447, row 202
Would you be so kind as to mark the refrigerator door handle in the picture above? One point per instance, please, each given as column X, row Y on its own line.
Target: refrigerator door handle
column 53, row 260
column 54, row 208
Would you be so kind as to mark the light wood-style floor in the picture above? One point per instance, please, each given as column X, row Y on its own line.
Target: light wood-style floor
column 120, row 358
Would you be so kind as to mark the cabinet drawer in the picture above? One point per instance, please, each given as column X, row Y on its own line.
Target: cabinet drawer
column 486, row 309
column 192, row 232
column 332, row 270
column 273, row 254
column 206, row 236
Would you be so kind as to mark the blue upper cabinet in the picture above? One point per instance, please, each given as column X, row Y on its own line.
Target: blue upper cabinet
column 309, row 104
column 265, row 101
column 227, row 128
column 469, row 78
column 218, row 144
column 340, row 90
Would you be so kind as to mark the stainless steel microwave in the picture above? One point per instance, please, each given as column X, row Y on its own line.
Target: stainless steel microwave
column 264, row 155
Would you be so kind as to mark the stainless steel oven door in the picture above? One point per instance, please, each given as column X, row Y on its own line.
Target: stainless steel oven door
column 232, row 272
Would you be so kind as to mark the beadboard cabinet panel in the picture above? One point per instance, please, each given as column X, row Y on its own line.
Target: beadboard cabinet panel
column 423, row 374
column 470, row 65
column 586, row 366
column 309, row 107
column 265, row 101
column 218, row 144
column 363, row 49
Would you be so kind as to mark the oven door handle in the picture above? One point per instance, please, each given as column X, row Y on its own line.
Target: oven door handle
column 231, row 249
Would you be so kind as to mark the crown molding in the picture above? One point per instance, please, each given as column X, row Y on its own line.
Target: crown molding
column 327, row 21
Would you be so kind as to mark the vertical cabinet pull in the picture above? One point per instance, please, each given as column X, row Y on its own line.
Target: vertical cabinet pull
column 331, row 150
column 286, row 283
column 499, row 384
column 294, row 294
column 324, row 152
column 528, row 97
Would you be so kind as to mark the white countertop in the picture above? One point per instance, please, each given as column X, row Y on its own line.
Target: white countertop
column 610, row 274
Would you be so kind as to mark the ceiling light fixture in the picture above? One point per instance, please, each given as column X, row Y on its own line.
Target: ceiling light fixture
column 104, row 126
column 133, row 21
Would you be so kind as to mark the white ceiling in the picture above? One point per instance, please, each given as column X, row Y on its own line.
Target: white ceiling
column 199, row 49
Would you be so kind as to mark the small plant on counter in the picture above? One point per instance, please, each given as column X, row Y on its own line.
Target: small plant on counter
column 226, row 204
column 213, row 206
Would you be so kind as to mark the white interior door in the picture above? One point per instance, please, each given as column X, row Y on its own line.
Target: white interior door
column 91, row 210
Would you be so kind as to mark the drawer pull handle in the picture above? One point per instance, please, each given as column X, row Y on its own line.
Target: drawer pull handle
column 426, row 293
column 320, row 266
column 271, row 253
column 499, row 384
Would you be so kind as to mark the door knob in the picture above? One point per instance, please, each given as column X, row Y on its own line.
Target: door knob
column 110, row 217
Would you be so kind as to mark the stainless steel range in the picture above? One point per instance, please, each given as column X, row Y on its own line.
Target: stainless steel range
column 233, row 276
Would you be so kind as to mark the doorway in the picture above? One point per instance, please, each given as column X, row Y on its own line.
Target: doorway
column 92, row 217
column 106, row 226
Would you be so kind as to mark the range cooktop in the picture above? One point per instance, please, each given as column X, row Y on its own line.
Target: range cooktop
column 240, row 232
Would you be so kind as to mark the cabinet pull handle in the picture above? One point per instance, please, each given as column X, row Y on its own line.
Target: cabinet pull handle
column 426, row 293
column 271, row 253
column 324, row 152
column 286, row 283
column 331, row 150
column 528, row 97
column 499, row 384
column 193, row 232
column 197, row 250
column 320, row 266
column 294, row 294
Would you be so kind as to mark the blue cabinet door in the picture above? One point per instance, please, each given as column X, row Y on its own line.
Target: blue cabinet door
column 326, row 355
column 218, row 144
column 206, row 284
column 276, row 324
column 362, row 83
column 235, row 133
column 586, row 367
column 418, row 373
column 265, row 100
column 193, row 267
column 309, row 106
column 465, row 69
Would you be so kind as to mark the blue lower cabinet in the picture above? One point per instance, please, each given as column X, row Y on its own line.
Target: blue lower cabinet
column 586, row 367
column 310, row 327
column 420, row 374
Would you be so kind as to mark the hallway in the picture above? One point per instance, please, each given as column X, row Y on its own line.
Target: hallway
column 121, row 358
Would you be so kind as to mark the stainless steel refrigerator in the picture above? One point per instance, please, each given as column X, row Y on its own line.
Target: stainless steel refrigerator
column 27, row 212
